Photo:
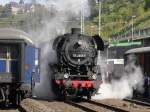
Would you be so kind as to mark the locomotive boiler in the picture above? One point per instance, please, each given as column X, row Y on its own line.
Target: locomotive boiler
column 76, row 72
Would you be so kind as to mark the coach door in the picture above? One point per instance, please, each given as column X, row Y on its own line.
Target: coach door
column 9, row 61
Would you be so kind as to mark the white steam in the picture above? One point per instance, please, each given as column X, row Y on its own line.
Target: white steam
column 61, row 12
column 52, row 26
column 131, row 79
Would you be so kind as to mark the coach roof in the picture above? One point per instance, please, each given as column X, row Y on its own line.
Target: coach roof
column 14, row 34
column 138, row 50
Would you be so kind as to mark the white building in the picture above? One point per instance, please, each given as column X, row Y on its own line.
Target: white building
column 14, row 8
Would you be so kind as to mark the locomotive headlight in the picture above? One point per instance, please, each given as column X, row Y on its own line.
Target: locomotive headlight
column 66, row 76
column 94, row 76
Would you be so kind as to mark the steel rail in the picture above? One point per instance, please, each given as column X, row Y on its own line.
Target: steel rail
column 137, row 102
column 80, row 106
column 107, row 106
column 99, row 104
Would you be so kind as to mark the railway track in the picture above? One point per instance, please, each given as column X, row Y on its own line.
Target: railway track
column 33, row 105
column 142, row 103
column 93, row 106
column 113, row 108
column 85, row 108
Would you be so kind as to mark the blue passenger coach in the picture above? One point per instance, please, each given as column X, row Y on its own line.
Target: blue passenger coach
column 19, row 65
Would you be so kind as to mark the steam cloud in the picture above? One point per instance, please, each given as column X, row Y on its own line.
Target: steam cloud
column 55, row 24
column 131, row 78
column 52, row 26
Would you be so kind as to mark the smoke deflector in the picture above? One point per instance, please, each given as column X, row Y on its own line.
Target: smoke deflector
column 99, row 42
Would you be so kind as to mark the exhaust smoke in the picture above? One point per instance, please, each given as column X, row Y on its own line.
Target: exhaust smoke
column 131, row 79
column 52, row 25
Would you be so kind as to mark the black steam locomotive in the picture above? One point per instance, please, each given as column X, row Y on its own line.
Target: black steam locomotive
column 76, row 73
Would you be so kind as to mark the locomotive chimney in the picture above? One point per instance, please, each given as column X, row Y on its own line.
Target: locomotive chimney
column 75, row 30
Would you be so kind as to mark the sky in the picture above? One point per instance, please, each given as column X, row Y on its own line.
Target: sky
column 3, row 2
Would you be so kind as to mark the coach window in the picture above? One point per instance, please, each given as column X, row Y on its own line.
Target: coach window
column 3, row 52
column 14, row 53
column 3, row 57
column 13, row 58
column 8, row 59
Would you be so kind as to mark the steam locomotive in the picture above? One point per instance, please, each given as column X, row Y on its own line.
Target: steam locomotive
column 19, row 65
column 76, row 72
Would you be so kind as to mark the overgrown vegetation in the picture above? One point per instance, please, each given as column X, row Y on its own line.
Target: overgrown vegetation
column 116, row 17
